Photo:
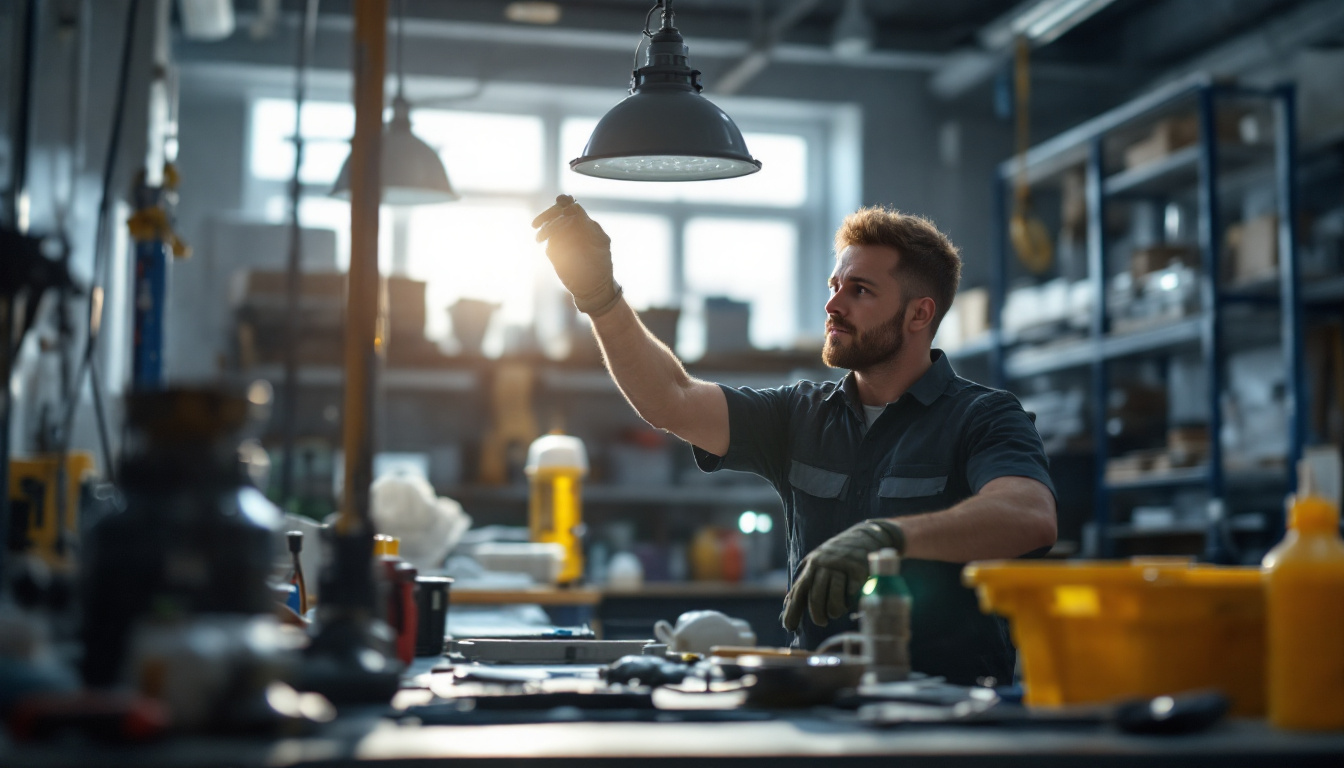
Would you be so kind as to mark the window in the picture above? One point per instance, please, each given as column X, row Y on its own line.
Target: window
column 749, row 260
column 673, row 244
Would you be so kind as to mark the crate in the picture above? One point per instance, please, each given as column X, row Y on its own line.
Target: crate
column 1100, row 631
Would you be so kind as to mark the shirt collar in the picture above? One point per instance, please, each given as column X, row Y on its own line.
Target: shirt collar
column 927, row 389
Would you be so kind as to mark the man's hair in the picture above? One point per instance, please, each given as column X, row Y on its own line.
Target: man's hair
column 927, row 263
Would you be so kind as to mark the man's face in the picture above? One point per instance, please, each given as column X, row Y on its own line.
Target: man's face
column 865, row 317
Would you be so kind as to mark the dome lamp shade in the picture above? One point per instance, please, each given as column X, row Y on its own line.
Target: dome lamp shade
column 665, row 130
column 413, row 173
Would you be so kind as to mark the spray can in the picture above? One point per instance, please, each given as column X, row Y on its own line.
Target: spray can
column 556, row 465
column 884, row 618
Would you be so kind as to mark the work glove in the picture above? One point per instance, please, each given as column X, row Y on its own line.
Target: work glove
column 833, row 573
column 581, row 254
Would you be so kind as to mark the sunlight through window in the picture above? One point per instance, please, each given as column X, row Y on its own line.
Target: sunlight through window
column 751, row 260
column 478, row 251
column 485, row 152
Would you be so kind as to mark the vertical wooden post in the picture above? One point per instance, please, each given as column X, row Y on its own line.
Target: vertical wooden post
column 361, row 313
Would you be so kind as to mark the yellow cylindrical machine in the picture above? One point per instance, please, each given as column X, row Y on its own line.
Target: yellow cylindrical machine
column 49, row 530
column 556, row 465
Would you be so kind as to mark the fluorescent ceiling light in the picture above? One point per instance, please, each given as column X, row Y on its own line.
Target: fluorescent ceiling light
column 1041, row 21
column 854, row 32
column 532, row 12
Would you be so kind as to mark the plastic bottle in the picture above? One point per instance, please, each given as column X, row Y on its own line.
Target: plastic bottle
column 885, row 618
column 556, row 465
column 1304, row 579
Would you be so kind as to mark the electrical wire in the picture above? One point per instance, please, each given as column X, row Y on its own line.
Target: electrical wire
column 294, row 263
column 100, row 255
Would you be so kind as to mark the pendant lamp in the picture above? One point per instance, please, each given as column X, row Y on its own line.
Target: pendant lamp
column 665, row 130
column 413, row 173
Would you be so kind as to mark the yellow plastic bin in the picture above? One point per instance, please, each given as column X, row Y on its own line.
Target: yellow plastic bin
column 1096, row 631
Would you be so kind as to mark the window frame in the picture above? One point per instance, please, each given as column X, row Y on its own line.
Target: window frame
column 832, row 133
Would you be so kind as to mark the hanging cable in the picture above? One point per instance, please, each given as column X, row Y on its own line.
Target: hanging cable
column 294, row 267
column 98, row 275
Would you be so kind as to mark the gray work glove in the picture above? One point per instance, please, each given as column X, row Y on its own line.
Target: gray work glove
column 581, row 254
column 834, row 572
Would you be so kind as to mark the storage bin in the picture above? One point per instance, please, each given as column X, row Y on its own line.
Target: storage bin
column 1097, row 631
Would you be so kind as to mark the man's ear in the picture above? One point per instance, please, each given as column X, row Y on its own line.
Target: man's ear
column 920, row 313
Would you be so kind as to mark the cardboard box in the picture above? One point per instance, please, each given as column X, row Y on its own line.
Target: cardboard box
column 972, row 307
column 1156, row 257
column 1252, row 250
column 322, row 299
column 1178, row 132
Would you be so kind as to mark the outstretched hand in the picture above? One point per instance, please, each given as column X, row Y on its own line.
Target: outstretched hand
column 580, row 252
column 833, row 573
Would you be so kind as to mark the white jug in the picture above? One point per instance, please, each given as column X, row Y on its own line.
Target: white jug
column 698, row 631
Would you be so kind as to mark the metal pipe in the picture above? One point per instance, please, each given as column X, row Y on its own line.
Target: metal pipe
column 1211, row 291
column 294, row 271
column 1285, row 177
column 17, row 219
column 361, row 315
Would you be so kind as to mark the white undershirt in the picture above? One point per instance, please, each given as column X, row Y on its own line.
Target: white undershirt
column 871, row 412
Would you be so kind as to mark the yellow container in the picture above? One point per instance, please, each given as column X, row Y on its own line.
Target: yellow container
column 556, row 465
column 50, row 533
column 1304, row 581
column 1097, row 631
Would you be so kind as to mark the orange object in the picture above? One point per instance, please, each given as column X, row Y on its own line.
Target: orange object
column 734, row 559
column 1092, row 631
column 1304, row 584
column 707, row 555
column 556, row 465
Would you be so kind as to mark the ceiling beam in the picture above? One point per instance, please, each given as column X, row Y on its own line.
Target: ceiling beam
column 1272, row 41
column 750, row 65
column 604, row 40
column 1041, row 22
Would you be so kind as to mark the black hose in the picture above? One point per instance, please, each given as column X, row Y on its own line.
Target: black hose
column 100, row 247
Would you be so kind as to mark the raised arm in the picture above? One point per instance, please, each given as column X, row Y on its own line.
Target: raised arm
column 646, row 371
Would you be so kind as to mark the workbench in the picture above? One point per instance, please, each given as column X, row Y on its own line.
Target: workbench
column 800, row 739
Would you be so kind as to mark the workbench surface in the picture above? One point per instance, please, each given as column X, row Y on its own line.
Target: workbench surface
column 793, row 740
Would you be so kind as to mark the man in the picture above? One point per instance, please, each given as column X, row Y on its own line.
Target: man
column 900, row 453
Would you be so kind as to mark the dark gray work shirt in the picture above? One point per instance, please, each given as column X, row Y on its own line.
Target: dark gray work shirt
column 940, row 443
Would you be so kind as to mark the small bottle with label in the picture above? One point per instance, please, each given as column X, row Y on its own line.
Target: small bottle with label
column 884, row 619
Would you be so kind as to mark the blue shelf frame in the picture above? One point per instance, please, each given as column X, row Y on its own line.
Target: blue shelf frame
column 1085, row 145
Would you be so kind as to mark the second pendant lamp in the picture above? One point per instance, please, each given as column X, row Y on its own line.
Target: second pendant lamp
column 665, row 130
column 412, row 171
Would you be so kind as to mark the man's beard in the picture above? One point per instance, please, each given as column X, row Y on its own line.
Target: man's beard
column 864, row 350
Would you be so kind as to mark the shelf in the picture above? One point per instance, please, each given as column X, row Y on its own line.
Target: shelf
column 980, row 345
column 402, row 379
column 1132, row 532
column 708, row 495
column 557, row 380
column 1167, row 479
column 1183, row 530
column 1179, row 172
column 1180, row 168
column 1244, row 478
column 1030, row 362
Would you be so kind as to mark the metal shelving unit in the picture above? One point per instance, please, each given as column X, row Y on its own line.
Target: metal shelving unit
column 1201, row 172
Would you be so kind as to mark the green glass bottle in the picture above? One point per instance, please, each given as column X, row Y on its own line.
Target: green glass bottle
column 884, row 620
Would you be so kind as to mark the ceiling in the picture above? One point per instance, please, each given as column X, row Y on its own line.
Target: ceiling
column 1125, row 46
column 1143, row 33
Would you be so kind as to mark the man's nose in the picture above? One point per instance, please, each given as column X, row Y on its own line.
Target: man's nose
column 834, row 305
